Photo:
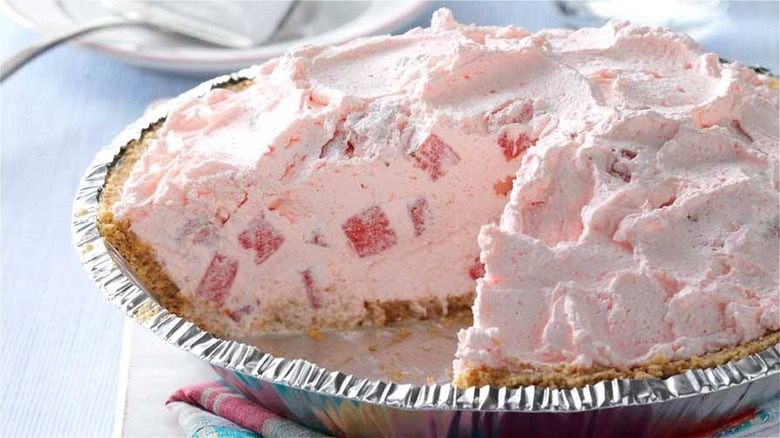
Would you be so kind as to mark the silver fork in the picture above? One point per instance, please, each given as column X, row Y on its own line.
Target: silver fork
column 128, row 17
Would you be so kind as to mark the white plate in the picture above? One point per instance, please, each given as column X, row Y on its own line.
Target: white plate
column 321, row 22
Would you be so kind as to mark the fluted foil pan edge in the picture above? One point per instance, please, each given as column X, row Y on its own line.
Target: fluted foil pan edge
column 270, row 380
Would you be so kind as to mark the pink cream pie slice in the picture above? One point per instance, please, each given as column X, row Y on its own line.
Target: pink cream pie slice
column 619, row 184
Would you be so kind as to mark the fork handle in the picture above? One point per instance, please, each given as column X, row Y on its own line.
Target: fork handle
column 27, row 54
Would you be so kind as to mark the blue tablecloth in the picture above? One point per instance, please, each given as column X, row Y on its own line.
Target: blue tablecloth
column 60, row 339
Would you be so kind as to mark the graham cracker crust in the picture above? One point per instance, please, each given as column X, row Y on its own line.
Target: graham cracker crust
column 569, row 376
column 141, row 260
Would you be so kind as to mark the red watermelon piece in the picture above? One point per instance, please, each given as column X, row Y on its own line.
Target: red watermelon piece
column 218, row 278
column 369, row 231
column 418, row 211
column 477, row 269
column 514, row 148
column 435, row 156
column 312, row 292
column 261, row 237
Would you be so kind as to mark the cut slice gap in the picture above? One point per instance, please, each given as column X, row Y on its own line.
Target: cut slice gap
column 409, row 352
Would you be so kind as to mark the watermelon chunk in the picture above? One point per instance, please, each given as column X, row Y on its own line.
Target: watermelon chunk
column 261, row 237
column 513, row 148
column 435, row 156
column 477, row 269
column 218, row 278
column 312, row 292
column 418, row 211
column 369, row 231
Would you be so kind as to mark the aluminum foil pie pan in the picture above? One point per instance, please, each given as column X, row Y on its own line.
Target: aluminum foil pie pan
column 394, row 381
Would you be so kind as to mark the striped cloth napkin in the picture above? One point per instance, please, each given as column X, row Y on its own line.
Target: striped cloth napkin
column 215, row 410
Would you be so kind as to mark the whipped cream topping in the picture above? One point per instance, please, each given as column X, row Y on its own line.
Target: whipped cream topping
column 642, row 218
column 652, row 233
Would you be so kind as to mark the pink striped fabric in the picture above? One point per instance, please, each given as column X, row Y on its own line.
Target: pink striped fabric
column 223, row 401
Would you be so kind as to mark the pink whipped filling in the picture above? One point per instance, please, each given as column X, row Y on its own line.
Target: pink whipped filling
column 654, row 232
column 343, row 175
column 642, row 219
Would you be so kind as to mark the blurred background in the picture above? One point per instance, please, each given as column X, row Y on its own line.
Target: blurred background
column 60, row 340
